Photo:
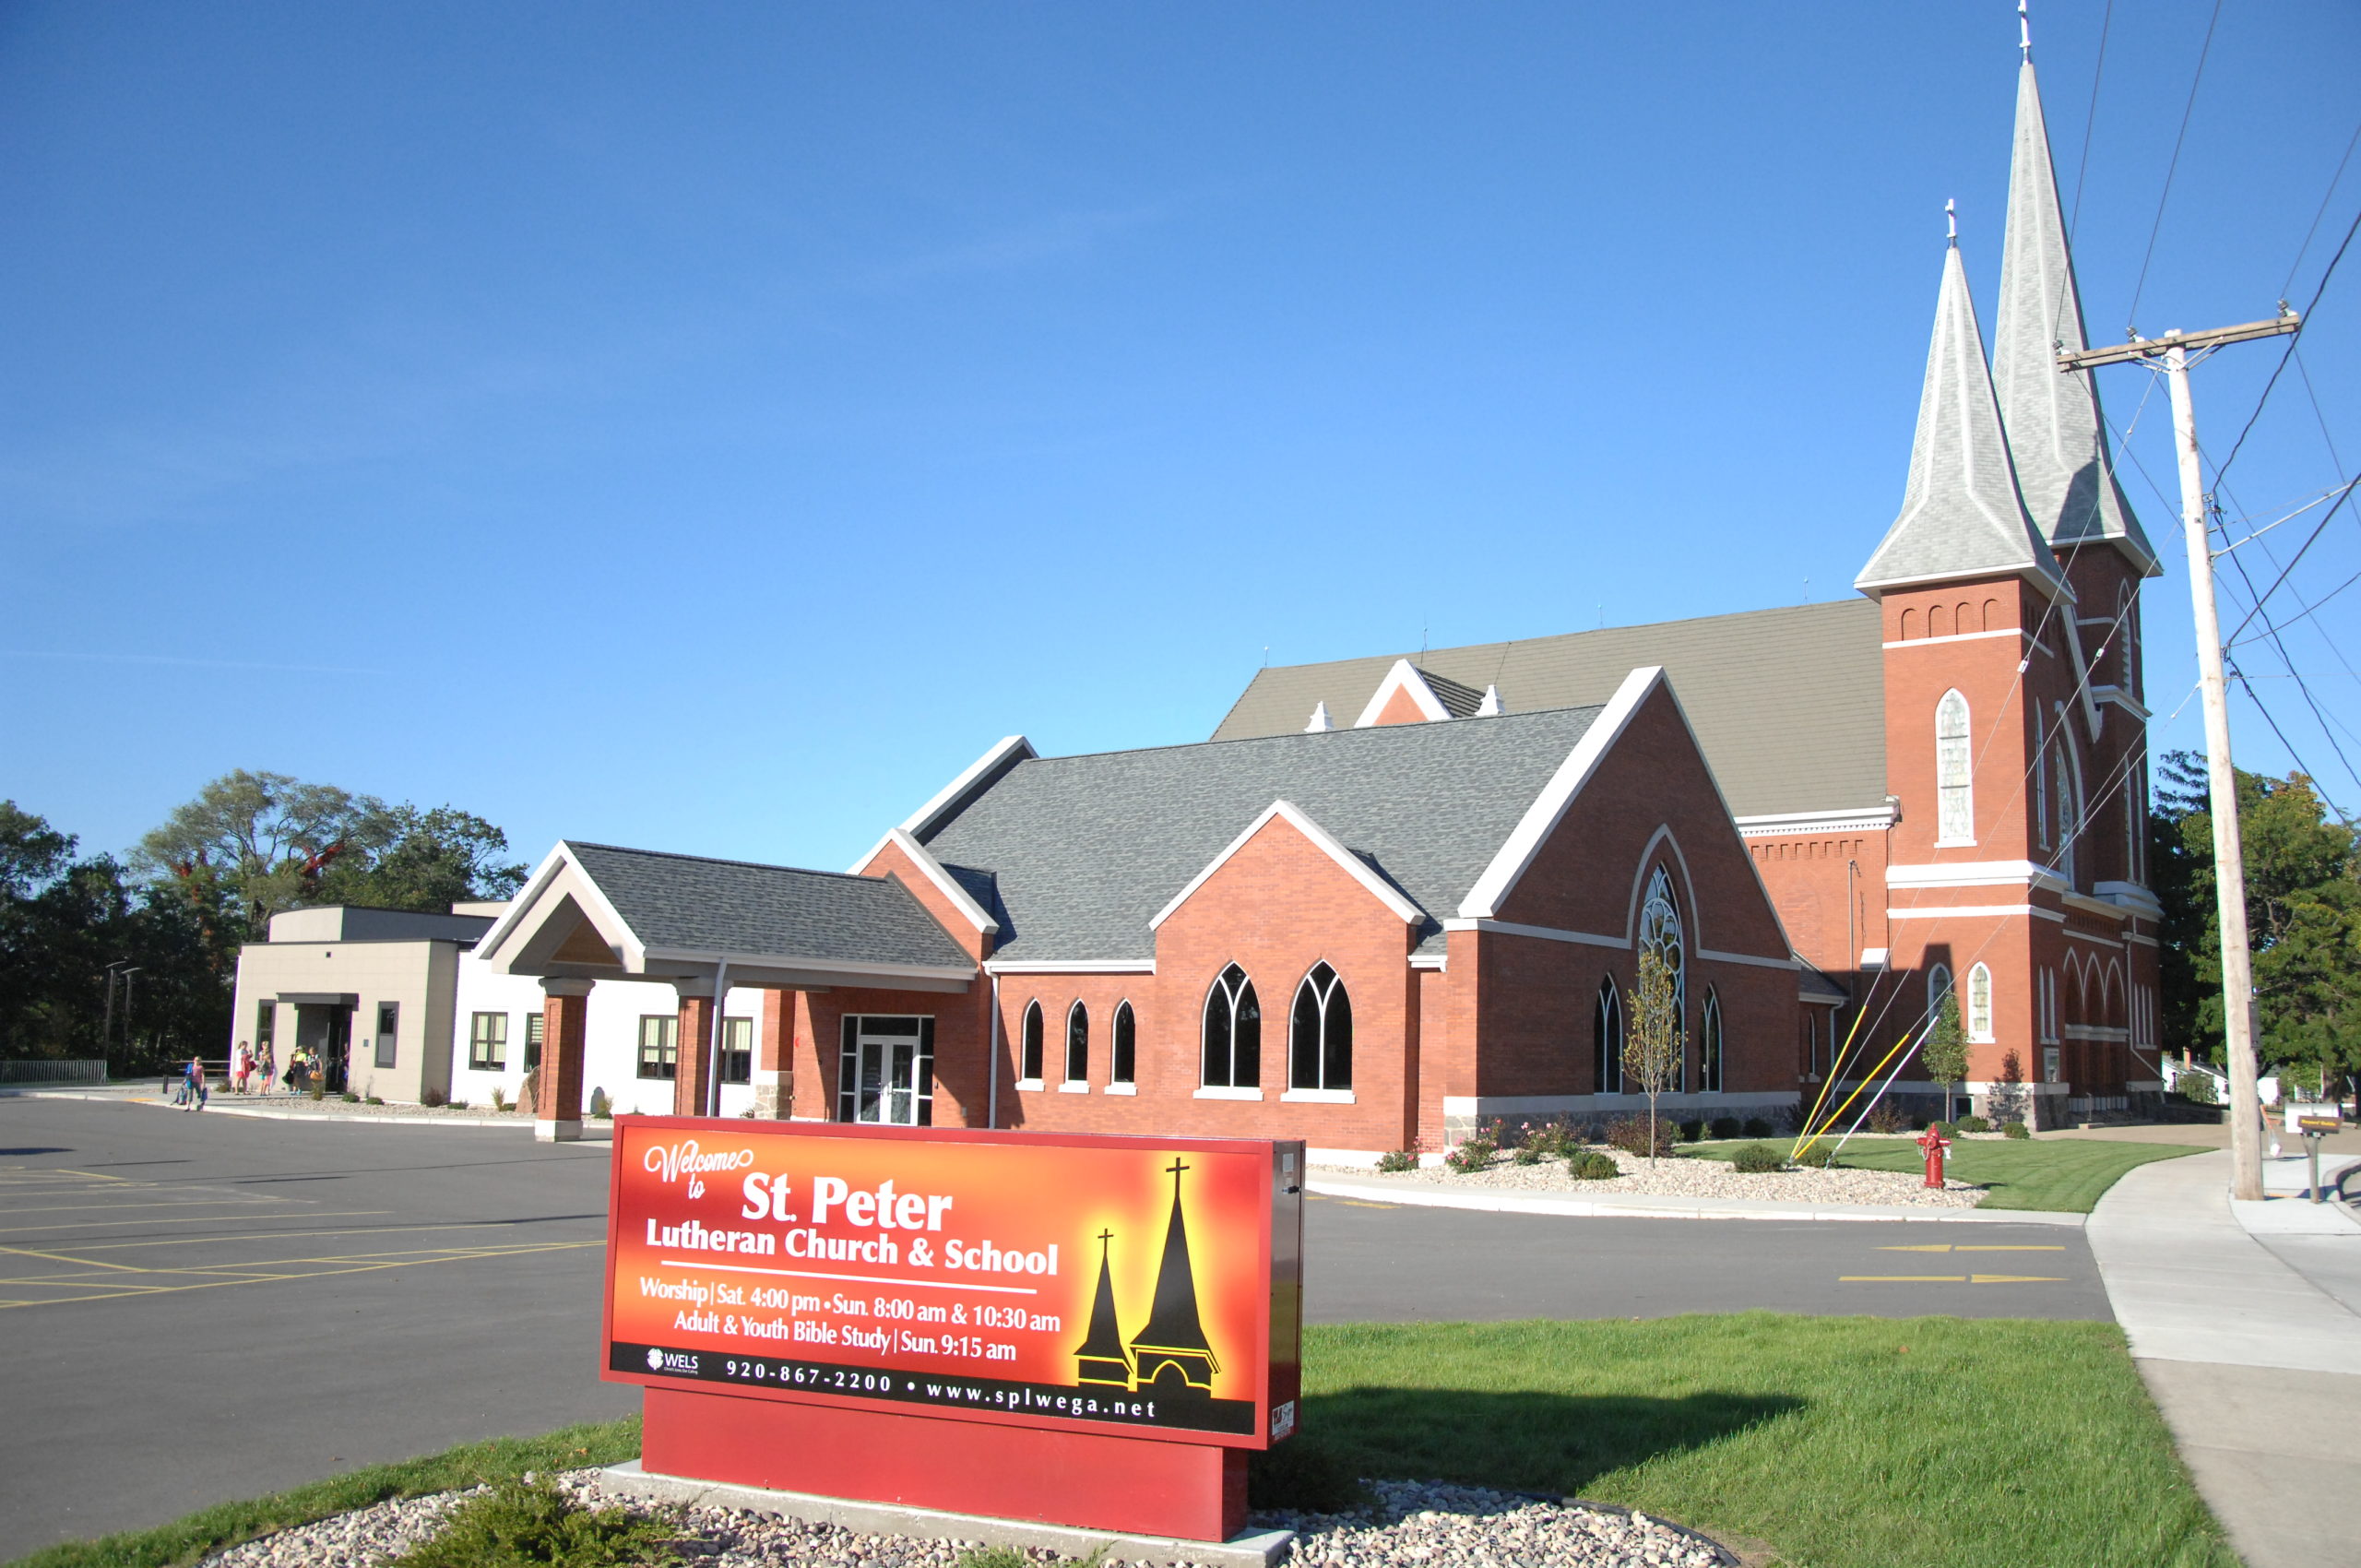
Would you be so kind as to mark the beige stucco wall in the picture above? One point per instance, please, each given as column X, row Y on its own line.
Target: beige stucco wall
column 420, row 977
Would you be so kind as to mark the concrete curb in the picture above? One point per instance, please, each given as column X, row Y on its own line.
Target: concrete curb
column 1254, row 1549
column 1494, row 1201
column 514, row 1120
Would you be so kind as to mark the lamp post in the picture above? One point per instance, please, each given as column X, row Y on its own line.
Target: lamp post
column 106, row 1029
column 127, row 1005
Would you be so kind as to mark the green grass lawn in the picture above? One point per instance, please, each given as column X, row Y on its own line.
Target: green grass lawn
column 1837, row 1443
column 226, row 1523
column 1840, row 1443
column 2060, row 1174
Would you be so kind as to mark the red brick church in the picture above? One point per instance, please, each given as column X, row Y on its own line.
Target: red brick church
column 1391, row 897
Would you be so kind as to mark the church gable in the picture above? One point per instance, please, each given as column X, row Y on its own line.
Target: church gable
column 1409, row 694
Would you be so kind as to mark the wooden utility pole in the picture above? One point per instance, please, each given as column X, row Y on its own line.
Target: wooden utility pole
column 2229, row 863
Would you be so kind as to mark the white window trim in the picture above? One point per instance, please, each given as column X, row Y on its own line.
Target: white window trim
column 1074, row 1085
column 1992, row 1003
column 1121, row 1088
column 1029, row 1083
column 1318, row 1097
column 1211, row 1092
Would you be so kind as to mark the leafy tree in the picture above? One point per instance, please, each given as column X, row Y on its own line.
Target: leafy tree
column 436, row 859
column 2303, row 915
column 1944, row 1051
column 1652, row 1044
column 263, row 839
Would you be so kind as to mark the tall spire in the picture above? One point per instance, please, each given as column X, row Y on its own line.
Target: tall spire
column 1174, row 1339
column 2056, row 429
column 1961, row 513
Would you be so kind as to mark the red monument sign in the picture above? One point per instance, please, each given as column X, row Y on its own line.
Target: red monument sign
column 1089, row 1331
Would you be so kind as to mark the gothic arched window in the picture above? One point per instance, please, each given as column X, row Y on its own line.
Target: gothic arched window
column 1124, row 1039
column 1709, row 1044
column 1607, row 1039
column 1938, row 985
column 1954, row 772
column 2068, row 794
column 1320, row 1033
column 1077, row 1044
column 1978, row 1014
column 1660, row 934
column 1233, row 1033
column 1028, row 1054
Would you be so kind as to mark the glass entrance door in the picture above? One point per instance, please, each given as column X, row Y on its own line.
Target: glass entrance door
column 886, row 1073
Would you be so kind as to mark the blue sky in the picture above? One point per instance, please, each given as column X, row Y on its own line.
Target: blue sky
column 709, row 427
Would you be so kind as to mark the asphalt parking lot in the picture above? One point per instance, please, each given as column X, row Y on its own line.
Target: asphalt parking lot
column 202, row 1307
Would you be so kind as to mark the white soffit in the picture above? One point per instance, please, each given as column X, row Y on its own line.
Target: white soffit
column 1403, row 677
column 1542, row 816
column 1379, row 888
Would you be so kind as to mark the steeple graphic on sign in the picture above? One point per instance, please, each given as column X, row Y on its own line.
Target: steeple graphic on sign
column 1174, row 1339
column 1100, row 1355
column 2057, row 433
column 1961, row 515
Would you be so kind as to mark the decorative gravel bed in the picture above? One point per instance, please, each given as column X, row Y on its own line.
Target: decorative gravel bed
column 1423, row 1523
column 304, row 1105
column 1678, row 1176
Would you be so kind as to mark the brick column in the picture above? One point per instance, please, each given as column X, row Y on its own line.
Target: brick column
column 693, row 1081
column 566, row 1018
column 774, row 1056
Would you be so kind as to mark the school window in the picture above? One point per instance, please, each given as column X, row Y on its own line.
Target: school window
column 1233, row 1033
column 659, row 1045
column 1077, row 1044
column 737, row 1051
column 1124, row 1039
column 1709, row 1044
column 1607, row 1039
column 885, row 1071
column 1320, row 1033
column 1028, row 1053
column 265, row 1025
column 534, row 1022
column 487, row 1044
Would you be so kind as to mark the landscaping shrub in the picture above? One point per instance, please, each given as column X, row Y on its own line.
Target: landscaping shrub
column 1757, row 1159
column 1690, row 1131
column 528, row 1524
column 1473, row 1152
column 2196, row 1087
column 1630, row 1133
column 1820, row 1157
column 433, row 1097
column 1972, row 1124
column 601, row 1106
column 991, row 1557
column 1590, row 1165
column 1528, row 1154
column 1728, row 1127
column 1398, row 1160
column 1554, row 1139
column 350, row 1098
column 1756, row 1127
column 499, row 1098
column 2016, row 1129
column 373, row 1099
column 1301, row 1475
column 1887, row 1119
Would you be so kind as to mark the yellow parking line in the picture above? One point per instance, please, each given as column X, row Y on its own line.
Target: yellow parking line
column 352, row 1267
column 270, row 1235
column 209, row 1219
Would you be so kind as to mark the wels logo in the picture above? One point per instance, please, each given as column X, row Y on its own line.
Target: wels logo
column 670, row 1362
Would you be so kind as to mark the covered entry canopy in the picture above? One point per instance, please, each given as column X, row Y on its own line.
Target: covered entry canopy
column 594, row 911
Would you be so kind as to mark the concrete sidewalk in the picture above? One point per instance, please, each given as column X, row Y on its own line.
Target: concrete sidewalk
column 2252, row 1346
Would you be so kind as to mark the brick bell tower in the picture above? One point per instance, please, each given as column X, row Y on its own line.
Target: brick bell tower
column 2016, row 739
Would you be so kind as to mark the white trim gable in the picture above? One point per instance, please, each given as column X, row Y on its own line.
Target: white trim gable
column 1403, row 677
column 944, row 883
column 1321, row 839
column 1005, row 753
column 562, row 876
column 1500, row 879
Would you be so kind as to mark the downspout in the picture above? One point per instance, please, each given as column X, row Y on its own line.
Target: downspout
column 713, row 1047
column 991, row 1099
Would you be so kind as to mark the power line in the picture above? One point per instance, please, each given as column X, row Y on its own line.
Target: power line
column 2293, row 339
column 2083, row 166
column 2280, row 580
column 2326, row 196
column 2170, row 168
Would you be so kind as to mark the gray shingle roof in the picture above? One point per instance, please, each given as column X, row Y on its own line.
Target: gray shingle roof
column 1789, row 705
column 1961, row 513
column 1084, row 850
column 2056, row 431
column 688, row 904
column 1458, row 700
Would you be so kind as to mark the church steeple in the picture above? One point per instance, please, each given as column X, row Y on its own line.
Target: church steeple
column 1100, row 1356
column 2057, row 433
column 1961, row 515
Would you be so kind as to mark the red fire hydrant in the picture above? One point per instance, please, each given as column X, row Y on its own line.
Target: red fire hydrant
column 1934, row 1143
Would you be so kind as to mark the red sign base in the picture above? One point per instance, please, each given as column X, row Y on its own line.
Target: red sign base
column 1194, row 1491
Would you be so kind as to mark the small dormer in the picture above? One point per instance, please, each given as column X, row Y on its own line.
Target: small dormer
column 1411, row 695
